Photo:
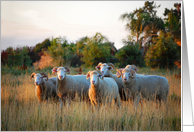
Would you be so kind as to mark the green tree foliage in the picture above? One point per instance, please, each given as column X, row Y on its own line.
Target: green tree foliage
column 61, row 51
column 18, row 57
column 96, row 47
column 129, row 54
column 143, row 20
column 163, row 53
column 45, row 44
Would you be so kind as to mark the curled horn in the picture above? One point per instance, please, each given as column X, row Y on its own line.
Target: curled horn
column 100, row 64
column 54, row 69
column 110, row 64
column 44, row 75
column 32, row 75
column 133, row 74
column 67, row 69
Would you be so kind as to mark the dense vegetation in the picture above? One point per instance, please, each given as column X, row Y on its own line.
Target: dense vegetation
column 152, row 42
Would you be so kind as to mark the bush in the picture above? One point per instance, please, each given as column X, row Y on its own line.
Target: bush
column 163, row 53
column 129, row 54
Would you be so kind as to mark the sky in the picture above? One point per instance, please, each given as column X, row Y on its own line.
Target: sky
column 31, row 22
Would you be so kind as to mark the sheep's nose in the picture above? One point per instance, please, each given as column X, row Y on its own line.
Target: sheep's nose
column 93, row 82
column 60, row 77
column 36, row 83
column 125, row 79
column 102, row 71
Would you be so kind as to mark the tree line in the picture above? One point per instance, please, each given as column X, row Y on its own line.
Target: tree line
column 152, row 42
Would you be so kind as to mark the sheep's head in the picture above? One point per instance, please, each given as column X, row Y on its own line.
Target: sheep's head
column 105, row 68
column 61, row 72
column 127, row 74
column 94, row 77
column 134, row 67
column 38, row 77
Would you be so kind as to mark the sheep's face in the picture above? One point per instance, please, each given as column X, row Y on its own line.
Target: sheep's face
column 94, row 77
column 61, row 73
column 38, row 78
column 104, row 68
column 127, row 75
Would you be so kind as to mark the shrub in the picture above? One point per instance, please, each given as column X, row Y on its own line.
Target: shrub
column 163, row 53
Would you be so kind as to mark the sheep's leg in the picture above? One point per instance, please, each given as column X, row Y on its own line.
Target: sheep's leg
column 61, row 103
column 136, row 100
column 118, row 100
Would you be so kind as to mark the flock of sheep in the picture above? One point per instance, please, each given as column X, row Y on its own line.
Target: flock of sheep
column 100, row 86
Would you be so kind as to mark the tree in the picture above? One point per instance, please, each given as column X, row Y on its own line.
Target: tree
column 163, row 53
column 61, row 50
column 45, row 44
column 143, row 20
column 129, row 54
column 134, row 22
column 173, row 26
column 96, row 47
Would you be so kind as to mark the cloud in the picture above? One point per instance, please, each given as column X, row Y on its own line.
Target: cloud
column 20, row 30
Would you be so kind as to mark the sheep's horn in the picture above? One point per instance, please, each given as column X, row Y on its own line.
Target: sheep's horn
column 67, row 69
column 54, row 69
column 128, row 66
column 133, row 73
column 44, row 75
column 32, row 75
column 134, row 67
column 100, row 64
column 111, row 64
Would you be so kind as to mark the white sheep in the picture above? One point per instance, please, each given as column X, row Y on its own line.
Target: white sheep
column 68, row 85
column 45, row 89
column 150, row 86
column 134, row 67
column 102, row 89
column 105, row 69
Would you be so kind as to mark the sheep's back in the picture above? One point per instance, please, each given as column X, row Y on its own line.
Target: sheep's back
column 151, row 84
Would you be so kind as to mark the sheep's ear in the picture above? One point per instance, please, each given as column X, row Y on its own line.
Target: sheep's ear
column 133, row 74
column 97, row 67
column 44, row 75
column 88, row 75
column 32, row 75
column 54, row 70
column 67, row 69
column 119, row 73
column 110, row 65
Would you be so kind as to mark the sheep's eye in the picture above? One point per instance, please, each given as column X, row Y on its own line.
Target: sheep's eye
column 99, row 75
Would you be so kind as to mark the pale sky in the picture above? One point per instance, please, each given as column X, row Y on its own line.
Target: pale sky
column 31, row 22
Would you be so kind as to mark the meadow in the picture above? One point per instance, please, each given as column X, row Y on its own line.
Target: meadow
column 21, row 111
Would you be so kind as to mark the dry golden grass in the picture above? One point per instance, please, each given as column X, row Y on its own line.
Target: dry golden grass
column 20, row 110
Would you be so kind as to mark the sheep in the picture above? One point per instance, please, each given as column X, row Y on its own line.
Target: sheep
column 45, row 89
column 105, row 69
column 103, row 89
column 134, row 67
column 68, row 85
column 150, row 86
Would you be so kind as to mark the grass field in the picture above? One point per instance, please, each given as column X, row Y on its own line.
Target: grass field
column 20, row 110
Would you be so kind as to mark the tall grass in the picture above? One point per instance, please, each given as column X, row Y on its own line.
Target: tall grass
column 20, row 109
